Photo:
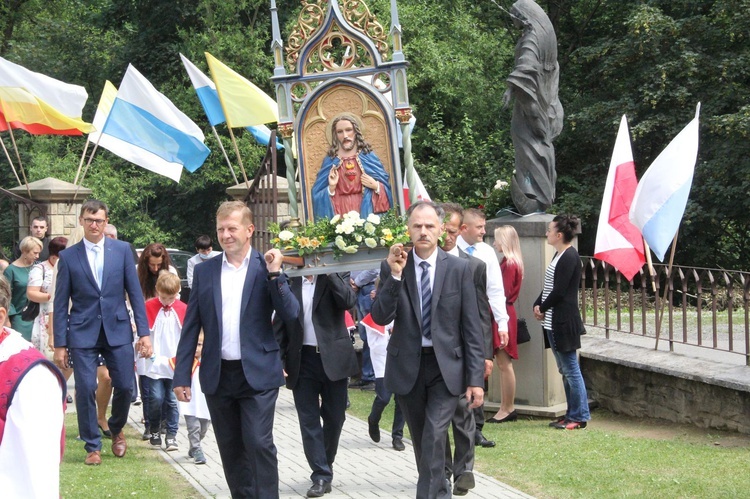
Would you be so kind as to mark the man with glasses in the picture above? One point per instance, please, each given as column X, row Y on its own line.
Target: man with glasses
column 94, row 276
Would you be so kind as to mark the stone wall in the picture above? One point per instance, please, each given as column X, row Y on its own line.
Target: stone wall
column 645, row 383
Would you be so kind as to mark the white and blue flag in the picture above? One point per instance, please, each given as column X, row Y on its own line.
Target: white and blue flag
column 151, row 131
column 662, row 192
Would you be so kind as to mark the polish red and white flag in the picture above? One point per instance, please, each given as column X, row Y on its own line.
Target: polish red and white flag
column 618, row 241
column 421, row 191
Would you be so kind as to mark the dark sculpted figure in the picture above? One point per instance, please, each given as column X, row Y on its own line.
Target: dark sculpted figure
column 537, row 112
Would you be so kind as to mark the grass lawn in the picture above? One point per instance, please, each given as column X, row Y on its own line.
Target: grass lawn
column 615, row 457
column 140, row 473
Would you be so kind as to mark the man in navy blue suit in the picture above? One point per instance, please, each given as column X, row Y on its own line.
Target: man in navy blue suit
column 234, row 295
column 93, row 278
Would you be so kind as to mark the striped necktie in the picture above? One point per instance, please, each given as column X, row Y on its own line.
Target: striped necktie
column 426, row 299
column 470, row 250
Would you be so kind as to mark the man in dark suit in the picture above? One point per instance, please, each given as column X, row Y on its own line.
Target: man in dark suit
column 435, row 352
column 94, row 276
column 234, row 296
column 461, row 463
column 319, row 357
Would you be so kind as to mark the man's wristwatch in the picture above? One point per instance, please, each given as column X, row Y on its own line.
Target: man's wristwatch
column 274, row 275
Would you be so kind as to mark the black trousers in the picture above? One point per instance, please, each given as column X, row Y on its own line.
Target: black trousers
column 243, row 424
column 316, row 397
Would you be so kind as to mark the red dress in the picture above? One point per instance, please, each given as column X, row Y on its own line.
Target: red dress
column 512, row 284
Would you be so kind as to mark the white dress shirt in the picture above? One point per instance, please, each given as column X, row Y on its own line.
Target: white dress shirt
column 308, row 330
column 432, row 260
column 495, row 290
column 91, row 255
column 232, row 284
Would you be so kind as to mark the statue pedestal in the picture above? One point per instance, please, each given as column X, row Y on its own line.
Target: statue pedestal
column 539, row 388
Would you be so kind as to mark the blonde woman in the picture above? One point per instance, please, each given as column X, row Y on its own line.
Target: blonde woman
column 507, row 243
column 17, row 274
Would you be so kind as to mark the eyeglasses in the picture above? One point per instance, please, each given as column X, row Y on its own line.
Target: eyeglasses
column 97, row 221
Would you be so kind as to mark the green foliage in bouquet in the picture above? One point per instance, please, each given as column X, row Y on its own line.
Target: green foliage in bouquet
column 343, row 234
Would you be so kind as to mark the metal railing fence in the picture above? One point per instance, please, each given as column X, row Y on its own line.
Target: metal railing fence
column 707, row 308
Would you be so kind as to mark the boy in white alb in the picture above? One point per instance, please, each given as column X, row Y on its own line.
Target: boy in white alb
column 165, row 315
column 196, row 413
column 32, row 407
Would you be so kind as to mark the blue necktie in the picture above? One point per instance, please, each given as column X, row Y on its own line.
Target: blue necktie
column 426, row 299
column 470, row 250
column 98, row 265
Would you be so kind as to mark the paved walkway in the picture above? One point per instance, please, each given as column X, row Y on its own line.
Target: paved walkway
column 392, row 474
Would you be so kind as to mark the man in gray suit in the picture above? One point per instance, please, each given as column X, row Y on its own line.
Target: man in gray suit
column 436, row 350
column 461, row 463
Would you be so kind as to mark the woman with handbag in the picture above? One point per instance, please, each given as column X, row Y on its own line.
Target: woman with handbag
column 511, row 267
column 557, row 309
column 39, row 290
column 17, row 274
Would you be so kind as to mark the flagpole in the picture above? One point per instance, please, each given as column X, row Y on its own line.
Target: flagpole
column 83, row 158
column 239, row 158
column 20, row 163
column 666, row 289
column 86, row 169
column 224, row 152
column 651, row 270
column 12, row 166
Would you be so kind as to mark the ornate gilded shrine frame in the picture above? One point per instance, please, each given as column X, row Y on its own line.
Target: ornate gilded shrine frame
column 336, row 55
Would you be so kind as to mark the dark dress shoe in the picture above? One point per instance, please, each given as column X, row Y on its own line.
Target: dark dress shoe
column 479, row 440
column 93, row 458
column 119, row 445
column 374, row 430
column 361, row 384
column 398, row 444
column 513, row 416
column 106, row 433
column 319, row 488
column 463, row 483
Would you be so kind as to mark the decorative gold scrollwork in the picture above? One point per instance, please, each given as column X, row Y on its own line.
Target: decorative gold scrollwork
column 337, row 51
column 358, row 15
column 308, row 22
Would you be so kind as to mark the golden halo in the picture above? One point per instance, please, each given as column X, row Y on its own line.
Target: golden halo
column 357, row 119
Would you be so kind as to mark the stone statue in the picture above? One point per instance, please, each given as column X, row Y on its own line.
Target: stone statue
column 537, row 112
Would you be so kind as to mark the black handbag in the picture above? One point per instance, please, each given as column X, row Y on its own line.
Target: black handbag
column 31, row 310
column 522, row 332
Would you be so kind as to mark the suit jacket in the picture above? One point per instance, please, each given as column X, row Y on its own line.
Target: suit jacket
column 567, row 326
column 456, row 331
column 332, row 297
column 92, row 309
column 259, row 350
column 479, row 269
